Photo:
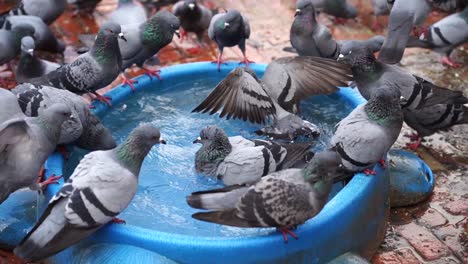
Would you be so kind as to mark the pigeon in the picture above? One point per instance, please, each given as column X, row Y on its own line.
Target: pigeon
column 340, row 9
column 445, row 35
column 380, row 9
column 25, row 144
column 194, row 17
column 84, row 6
column 146, row 39
column 428, row 120
column 284, row 84
column 43, row 36
column 364, row 136
column 283, row 199
column 92, row 70
column 310, row 38
column 403, row 16
column 128, row 13
column 100, row 187
column 449, row 5
column 30, row 66
column 35, row 99
column 236, row 160
column 152, row 6
column 369, row 74
column 227, row 30
column 47, row 10
column 10, row 41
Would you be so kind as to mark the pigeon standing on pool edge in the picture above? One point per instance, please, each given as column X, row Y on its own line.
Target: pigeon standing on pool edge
column 101, row 187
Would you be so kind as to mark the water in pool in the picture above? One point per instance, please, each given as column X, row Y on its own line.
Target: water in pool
column 168, row 173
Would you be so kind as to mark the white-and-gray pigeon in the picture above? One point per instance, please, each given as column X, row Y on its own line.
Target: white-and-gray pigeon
column 29, row 65
column 128, row 12
column 283, row 199
column 194, row 17
column 25, row 143
column 237, row 160
column 285, row 83
column 35, row 99
column 101, row 187
column 47, row 10
column 92, row 70
column 10, row 41
column 228, row 30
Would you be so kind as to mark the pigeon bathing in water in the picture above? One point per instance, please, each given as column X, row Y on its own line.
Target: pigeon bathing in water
column 228, row 30
column 285, row 83
column 34, row 100
column 128, row 13
column 92, row 70
column 283, row 199
column 25, row 143
column 47, row 10
column 101, row 187
column 236, row 160
column 445, row 35
column 10, row 41
column 29, row 65
column 194, row 17
column 364, row 137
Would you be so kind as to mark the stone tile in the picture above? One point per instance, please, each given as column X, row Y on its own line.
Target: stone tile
column 455, row 238
column 457, row 207
column 432, row 218
column 423, row 241
column 400, row 256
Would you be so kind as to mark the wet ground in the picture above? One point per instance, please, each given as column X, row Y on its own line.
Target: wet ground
column 431, row 232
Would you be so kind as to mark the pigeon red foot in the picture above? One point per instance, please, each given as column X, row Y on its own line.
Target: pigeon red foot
column 152, row 73
column 285, row 232
column 449, row 62
column 116, row 220
column 369, row 172
column 129, row 82
column 218, row 61
column 102, row 98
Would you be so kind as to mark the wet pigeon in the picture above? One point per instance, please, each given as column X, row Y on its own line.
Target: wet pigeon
column 146, row 39
column 101, row 187
column 25, row 144
column 363, row 137
column 228, row 30
column 194, row 17
column 445, row 35
column 92, row 70
column 30, row 66
column 369, row 74
column 236, row 160
column 35, row 99
column 310, row 38
column 285, row 83
column 283, row 199
column 10, row 41
column 47, row 10
column 403, row 16
column 128, row 13
column 43, row 36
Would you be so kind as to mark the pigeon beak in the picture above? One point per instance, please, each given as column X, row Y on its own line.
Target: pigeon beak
column 191, row 6
column 226, row 24
column 298, row 11
column 340, row 57
column 177, row 33
column 121, row 35
column 162, row 141
column 30, row 52
column 198, row 140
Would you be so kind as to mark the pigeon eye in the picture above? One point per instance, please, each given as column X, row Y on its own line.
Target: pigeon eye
column 350, row 52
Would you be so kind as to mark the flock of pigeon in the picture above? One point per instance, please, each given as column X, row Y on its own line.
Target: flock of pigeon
column 269, row 183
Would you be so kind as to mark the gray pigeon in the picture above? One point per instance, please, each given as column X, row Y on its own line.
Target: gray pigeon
column 364, row 137
column 194, row 17
column 284, row 84
column 445, row 35
column 10, row 41
column 47, row 10
column 449, row 5
column 43, row 36
column 403, row 16
column 25, row 144
column 380, row 9
column 340, row 9
column 369, row 74
column 101, row 187
column 228, row 30
column 84, row 6
column 236, row 160
column 309, row 38
column 29, row 65
column 128, row 13
column 35, row 99
column 92, row 70
column 283, row 199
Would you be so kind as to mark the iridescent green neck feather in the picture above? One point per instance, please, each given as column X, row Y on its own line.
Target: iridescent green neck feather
column 132, row 152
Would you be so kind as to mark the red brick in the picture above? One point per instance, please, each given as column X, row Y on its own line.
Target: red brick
column 400, row 256
column 455, row 239
column 432, row 218
column 457, row 207
column 423, row 241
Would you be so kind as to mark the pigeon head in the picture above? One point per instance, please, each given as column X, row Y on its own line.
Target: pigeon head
column 190, row 4
column 106, row 46
column 95, row 136
column 53, row 117
column 361, row 59
column 384, row 105
column 111, row 29
column 304, row 7
column 22, row 30
column 27, row 45
column 230, row 22
column 160, row 29
column 304, row 21
column 213, row 134
column 215, row 147
column 321, row 170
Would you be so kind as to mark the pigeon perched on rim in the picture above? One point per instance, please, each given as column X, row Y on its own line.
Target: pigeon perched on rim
column 277, row 95
column 100, row 187
column 10, row 41
column 29, row 65
column 228, row 30
column 47, row 10
column 194, row 17
column 92, row 70
column 25, row 143
column 283, row 199
column 237, row 160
